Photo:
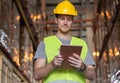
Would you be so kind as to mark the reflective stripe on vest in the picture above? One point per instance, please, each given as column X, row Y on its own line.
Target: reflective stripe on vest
column 52, row 46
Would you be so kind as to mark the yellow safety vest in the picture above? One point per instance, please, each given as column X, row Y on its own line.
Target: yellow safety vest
column 52, row 46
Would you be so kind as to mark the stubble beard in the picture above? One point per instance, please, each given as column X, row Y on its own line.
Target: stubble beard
column 64, row 32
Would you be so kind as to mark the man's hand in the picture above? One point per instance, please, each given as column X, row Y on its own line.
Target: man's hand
column 57, row 61
column 76, row 61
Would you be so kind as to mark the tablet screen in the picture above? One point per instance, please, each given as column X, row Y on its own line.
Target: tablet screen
column 67, row 51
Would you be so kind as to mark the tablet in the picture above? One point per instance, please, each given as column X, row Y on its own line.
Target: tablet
column 67, row 51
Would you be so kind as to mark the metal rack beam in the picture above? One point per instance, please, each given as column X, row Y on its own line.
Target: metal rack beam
column 28, row 22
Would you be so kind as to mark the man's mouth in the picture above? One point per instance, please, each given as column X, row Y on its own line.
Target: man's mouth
column 65, row 27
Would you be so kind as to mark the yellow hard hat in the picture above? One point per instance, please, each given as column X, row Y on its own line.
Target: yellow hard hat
column 65, row 7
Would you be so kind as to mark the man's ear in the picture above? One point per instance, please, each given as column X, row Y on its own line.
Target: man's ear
column 56, row 20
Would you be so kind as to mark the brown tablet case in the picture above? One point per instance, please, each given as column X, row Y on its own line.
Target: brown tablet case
column 66, row 51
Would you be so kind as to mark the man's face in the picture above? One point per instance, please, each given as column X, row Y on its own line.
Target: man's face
column 64, row 23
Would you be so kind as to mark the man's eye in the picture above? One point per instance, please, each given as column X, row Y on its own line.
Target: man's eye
column 70, row 19
column 61, row 18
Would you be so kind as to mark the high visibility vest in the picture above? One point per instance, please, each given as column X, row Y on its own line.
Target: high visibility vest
column 52, row 46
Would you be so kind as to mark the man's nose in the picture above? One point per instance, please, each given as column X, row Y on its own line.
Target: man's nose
column 65, row 21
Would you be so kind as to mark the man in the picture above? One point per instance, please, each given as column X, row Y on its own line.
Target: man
column 47, row 57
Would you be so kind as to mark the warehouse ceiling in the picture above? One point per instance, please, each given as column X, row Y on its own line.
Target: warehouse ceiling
column 53, row 3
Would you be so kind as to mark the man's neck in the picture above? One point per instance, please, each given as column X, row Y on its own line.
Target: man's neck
column 64, row 36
